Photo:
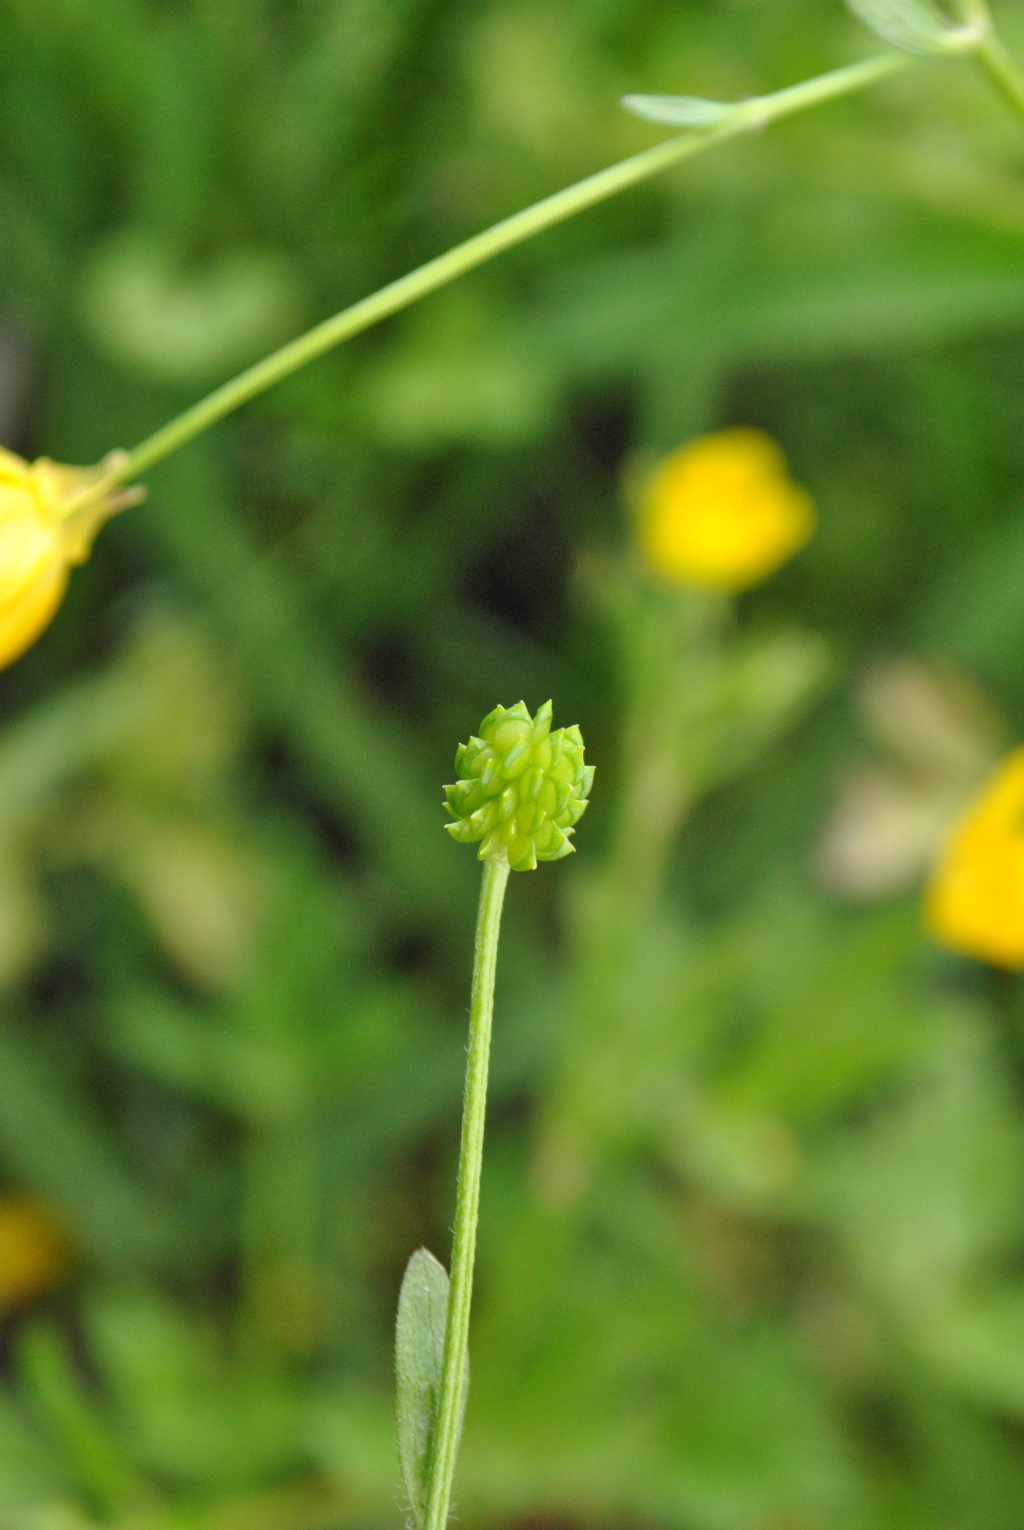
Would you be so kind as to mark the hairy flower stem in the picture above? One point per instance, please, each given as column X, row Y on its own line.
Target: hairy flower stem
column 467, row 1194
column 744, row 117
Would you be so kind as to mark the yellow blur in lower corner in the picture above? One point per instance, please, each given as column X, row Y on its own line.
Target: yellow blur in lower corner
column 974, row 902
column 34, row 1253
column 722, row 512
column 49, row 515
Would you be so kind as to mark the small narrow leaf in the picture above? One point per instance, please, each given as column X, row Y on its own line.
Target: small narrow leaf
column 677, row 111
column 915, row 26
column 419, row 1350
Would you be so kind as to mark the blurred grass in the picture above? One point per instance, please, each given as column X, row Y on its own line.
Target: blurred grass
column 752, row 1229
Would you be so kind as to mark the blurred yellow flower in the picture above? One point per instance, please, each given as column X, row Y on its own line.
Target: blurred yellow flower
column 722, row 511
column 975, row 897
column 49, row 515
column 33, row 1251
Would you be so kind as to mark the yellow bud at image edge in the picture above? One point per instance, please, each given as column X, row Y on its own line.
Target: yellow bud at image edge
column 49, row 515
column 974, row 901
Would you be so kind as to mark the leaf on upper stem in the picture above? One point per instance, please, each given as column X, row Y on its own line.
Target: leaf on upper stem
column 915, row 26
column 678, row 111
column 419, row 1352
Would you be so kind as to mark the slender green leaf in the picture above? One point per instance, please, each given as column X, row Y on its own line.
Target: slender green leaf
column 912, row 25
column 419, row 1348
column 677, row 111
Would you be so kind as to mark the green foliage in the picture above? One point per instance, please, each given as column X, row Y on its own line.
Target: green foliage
column 677, row 111
column 915, row 25
column 751, row 1229
column 419, row 1349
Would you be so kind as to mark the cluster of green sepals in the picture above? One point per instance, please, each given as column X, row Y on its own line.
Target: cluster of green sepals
column 522, row 788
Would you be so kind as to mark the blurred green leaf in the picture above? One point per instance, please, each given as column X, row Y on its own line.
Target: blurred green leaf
column 56, row 1145
column 913, row 25
column 448, row 382
column 188, row 1416
column 677, row 111
column 895, row 283
column 185, row 327
column 88, row 1440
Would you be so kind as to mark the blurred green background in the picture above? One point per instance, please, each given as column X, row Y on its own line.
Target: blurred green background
column 752, row 1248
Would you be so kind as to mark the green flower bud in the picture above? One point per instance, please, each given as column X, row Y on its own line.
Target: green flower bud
column 522, row 788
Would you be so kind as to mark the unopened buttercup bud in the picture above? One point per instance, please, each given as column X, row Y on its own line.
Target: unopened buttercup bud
column 49, row 515
column 522, row 788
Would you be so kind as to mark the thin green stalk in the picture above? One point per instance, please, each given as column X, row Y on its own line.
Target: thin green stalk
column 744, row 117
column 992, row 54
column 1003, row 71
column 467, row 1195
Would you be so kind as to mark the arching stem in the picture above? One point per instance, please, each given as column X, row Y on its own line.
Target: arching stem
column 742, row 118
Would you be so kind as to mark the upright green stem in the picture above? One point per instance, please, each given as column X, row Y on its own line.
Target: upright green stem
column 1003, row 70
column 744, row 117
column 467, row 1195
column 992, row 54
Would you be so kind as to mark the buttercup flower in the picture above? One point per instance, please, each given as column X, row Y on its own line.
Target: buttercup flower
column 722, row 511
column 49, row 515
column 523, row 788
column 975, row 897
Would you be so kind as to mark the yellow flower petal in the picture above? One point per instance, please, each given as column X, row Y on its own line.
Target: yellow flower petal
column 722, row 512
column 974, row 902
column 49, row 515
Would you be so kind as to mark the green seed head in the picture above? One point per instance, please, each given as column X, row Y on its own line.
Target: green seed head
column 522, row 788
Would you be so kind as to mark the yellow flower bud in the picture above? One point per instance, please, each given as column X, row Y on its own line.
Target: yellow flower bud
column 975, row 896
column 49, row 515
column 722, row 512
column 34, row 1251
